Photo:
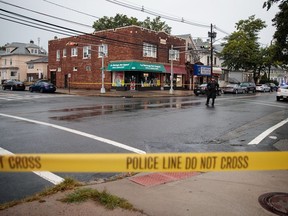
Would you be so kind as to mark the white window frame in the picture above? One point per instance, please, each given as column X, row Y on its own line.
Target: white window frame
column 102, row 49
column 86, row 52
column 57, row 55
column 175, row 54
column 64, row 52
column 74, row 51
column 75, row 68
column 149, row 50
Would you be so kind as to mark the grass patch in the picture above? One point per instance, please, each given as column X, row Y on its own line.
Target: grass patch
column 108, row 200
column 67, row 184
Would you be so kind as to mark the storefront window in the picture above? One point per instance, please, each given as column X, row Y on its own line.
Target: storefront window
column 150, row 80
column 118, row 79
column 179, row 81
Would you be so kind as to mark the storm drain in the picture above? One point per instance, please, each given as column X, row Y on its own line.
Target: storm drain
column 276, row 202
column 153, row 179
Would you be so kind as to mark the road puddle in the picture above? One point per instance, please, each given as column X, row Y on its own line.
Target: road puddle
column 77, row 113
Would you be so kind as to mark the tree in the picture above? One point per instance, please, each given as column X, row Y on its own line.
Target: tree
column 242, row 51
column 156, row 25
column 114, row 22
column 281, row 34
column 122, row 20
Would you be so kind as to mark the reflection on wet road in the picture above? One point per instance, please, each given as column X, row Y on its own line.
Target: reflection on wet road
column 77, row 113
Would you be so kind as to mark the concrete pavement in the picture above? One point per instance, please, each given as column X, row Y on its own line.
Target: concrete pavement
column 213, row 193
column 127, row 94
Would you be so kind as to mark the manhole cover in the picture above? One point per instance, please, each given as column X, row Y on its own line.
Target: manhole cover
column 275, row 202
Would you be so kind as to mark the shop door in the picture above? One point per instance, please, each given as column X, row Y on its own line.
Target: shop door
column 53, row 77
column 132, row 80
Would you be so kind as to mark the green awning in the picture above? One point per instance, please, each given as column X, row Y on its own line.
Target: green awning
column 136, row 66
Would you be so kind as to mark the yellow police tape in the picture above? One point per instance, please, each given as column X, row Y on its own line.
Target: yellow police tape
column 163, row 162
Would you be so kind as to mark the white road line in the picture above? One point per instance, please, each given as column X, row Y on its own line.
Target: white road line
column 259, row 138
column 54, row 179
column 91, row 136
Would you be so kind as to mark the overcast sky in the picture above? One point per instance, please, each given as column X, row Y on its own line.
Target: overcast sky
column 222, row 13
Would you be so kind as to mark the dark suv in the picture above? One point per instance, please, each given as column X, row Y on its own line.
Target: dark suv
column 248, row 86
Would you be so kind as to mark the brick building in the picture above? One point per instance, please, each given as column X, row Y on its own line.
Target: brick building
column 131, row 58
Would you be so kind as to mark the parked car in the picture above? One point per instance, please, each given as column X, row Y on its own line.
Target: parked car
column 248, row 86
column 262, row 88
column 272, row 86
column 282, row 93
column 13, row 85
column 233, row 88
column 202, row 89
column 42, row 86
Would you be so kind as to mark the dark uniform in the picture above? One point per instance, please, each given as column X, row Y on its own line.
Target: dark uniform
column 212, row 89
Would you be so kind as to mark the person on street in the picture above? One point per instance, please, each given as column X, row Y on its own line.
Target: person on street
column 212, row 89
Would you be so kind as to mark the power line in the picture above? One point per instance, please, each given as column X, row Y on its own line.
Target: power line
column 58, row 18
column 37, row 12
column 71, row 9
column 67, row 31
column 172, row 18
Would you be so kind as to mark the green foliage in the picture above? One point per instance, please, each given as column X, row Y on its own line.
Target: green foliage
column 121, row 20
column 67, row 184
column 242, row 51
column 281, row 34
column 156, row 25
column 108, row 200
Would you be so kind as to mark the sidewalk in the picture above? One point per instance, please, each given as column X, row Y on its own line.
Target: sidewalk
column 213, row 193
column 127, row 94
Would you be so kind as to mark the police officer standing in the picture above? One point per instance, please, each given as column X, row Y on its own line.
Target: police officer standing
column 212, row 89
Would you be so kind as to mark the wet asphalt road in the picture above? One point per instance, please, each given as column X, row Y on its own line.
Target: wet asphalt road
column 170, row 124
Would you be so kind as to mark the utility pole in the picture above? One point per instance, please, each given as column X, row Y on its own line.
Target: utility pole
column 212, row 35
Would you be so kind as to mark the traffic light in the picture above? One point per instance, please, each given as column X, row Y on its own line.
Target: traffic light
column 70, row 43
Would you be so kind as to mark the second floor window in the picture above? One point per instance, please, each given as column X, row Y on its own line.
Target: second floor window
column 11, row 61
column 86, row 52
column 74, row 51
column 64, row 52
column 149, row 50
column 58, row 55
column 30, row 66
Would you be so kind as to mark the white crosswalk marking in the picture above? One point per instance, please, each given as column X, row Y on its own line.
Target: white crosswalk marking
column 32, row 96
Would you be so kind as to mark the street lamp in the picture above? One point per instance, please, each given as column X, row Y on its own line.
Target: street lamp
column 102, row 91
column 172, row 72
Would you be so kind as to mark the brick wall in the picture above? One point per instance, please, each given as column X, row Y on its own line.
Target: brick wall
column 132, row 49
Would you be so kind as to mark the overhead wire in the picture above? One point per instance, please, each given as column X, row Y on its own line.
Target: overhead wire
column 144, row 10
column 23, row 8
column 44, row 14
column 172, row 18
column 72, row 9
column 59, row 29
column 67, row 31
